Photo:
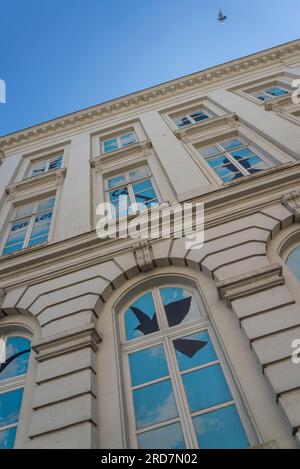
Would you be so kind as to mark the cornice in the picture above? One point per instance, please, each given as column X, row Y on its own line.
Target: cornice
column 137, row 149
column 208, row 76
column 185, row 134
column 51, row 178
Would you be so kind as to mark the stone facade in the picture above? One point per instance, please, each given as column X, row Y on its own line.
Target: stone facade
column 67, row 294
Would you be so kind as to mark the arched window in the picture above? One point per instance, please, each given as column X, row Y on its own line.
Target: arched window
column 180, row 394
column 293, row 262
column 14, row 353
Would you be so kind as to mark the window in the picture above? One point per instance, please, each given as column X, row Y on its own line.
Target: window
column 270, row 93
column 135, row 186
column 178, row 393
column 293, row 262
column 233, row 159
column 192, row 118
column 120, row 141
column 46, row 165
column 30, row 225
column 12, row 381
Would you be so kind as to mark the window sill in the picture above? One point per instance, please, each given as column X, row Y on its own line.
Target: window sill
column 51, row 178
column 186, row 133
column 274, row 103
column 12, row 255
column 135, row 149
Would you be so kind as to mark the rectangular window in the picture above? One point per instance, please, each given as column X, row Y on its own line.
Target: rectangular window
column 270, row 93
column 46, row 165
column 191, row 118
column 233, row 159
column 30, row 225
column 119, row 141
column 135, row 186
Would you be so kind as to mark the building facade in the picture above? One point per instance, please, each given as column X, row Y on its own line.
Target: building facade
column 126, row 343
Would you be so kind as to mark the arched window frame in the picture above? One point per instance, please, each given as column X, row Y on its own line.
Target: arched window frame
column 19, row 381
column 179, row 331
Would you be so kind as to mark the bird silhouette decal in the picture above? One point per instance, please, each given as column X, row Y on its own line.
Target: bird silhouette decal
column 244, row 162
column 11, row 359
column 175, row 312
column 222, row 17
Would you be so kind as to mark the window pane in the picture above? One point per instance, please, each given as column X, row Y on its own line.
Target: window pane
column 293, row 262
column 154, row 403
column 141, row 186
column 199, row 116
column 127, row 139
column 55, row 163
column 17, row 357
column 148, row 365
column 11, row 249
column 206, row 388
column 10, row 404
column 21, row 225
column 16, row 237
column 7, row 438
column 262, row 97
column 46, row 204
column 43, row 218
column 231, row 144
column 228, row 172
column 140, row 318
column 180, row 306
column 182, row 121
column 116, row 181
column 209, row 151
column 275, row 91
column 168, row 437
column 25, row 211
column 110, row 145
column 145, row 196
column 38, row 168
column 221, row 429
column 138, row 173
column 194, row 350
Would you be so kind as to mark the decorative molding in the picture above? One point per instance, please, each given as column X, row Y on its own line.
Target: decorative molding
column 60, row 344
column 2, row 157
column 276, row 103
column 141, row 149
column 253, row 282
column 52, row 178
column 143, row 255
column 186, row 83
column 291, row 201
column 186, row 134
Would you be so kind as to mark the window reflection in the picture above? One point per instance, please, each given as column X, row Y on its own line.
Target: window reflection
column 180, row 306
column 293, row 262
column 170, row 437
column 17, row 357
column 140, row 318
column 147, row 365
column 197, row 350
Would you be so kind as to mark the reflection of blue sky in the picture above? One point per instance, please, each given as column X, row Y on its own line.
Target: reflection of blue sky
column 154, row 403
column 168, row 437
column 10, row 404
column 205, row 355
column 147, row 365
column 206, row 388
column 146, row 305
column 20, row 364
column 293, row 262
column 173, row 294
column 221, row 429
column 7, row 438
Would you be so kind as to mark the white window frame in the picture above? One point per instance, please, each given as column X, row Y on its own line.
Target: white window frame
column 15, row 382
column 165, row 336
column 232, row 160
column 269, row 97
column 48, row 162
column 128, row 183
column 118, row 137
column 188, row 116
column 31, row 223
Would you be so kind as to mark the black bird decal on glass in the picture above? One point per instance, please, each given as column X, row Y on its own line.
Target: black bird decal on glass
column 222, row 17
column 146, row 325
column 177, row 311
column 189, row 347
column 245, row 163
column 11, row 359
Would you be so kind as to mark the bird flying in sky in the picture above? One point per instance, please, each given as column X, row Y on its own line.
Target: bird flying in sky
column 221, row 17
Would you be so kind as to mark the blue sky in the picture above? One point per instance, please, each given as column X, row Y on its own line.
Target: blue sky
column 59, row 56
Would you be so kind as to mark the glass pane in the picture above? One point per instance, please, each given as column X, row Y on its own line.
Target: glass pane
column 262, row 97
column 38, row 168
column 115, row 182
column 114, row 195
column 46, row 204
column 145, row 196
column 168, row 437
column 25, row 211
column 209, row 151
column 206, row 388
column 221, row 429
column 138, row 173
column 142, row 186
column 182, row 121
column 180, row 305
column 16, row 237
column 293, row 262
column 11, row 249
column 10, row 404
column 17, row 357
column 56, row 162
column 148, row 365
column 21, row 225
column 230, row 144
column 43, row 218
column 127, row 139
column 110, row 145
column 199, row 116
column 36, row 241
column 217, row 161
column 194, row 350
column 275, row 91
column 228, row 173
column 154, row 403
column 140, row 318
column 7, row 438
